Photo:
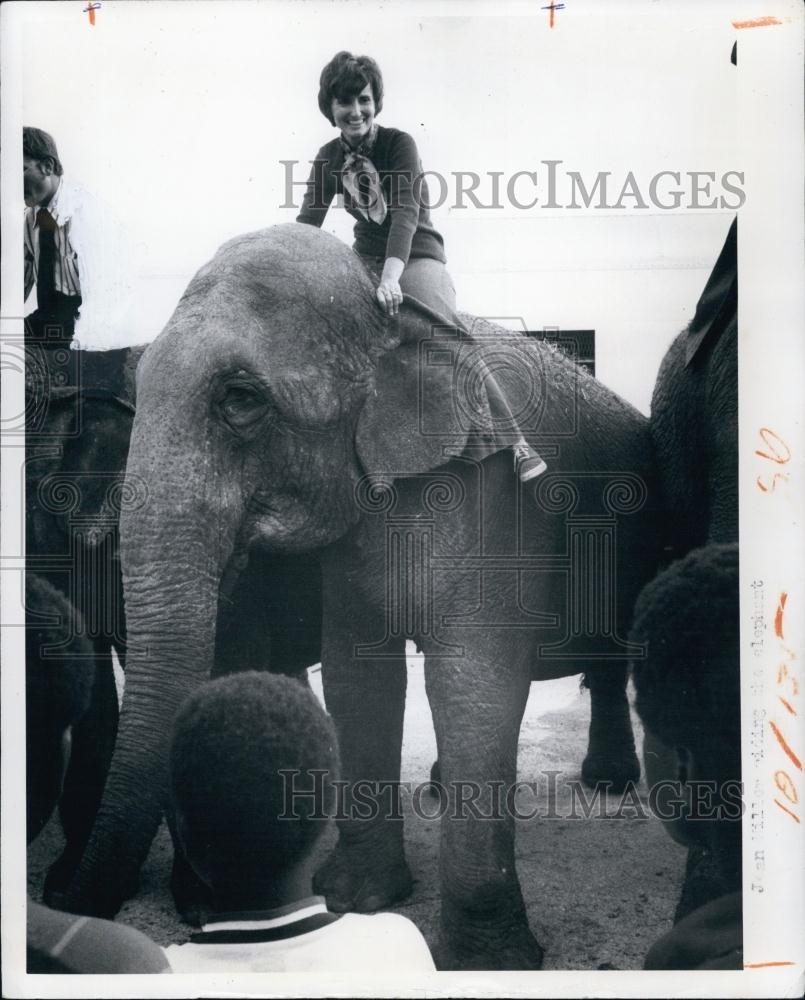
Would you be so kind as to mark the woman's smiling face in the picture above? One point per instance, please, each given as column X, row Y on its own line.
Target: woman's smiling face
column 356, row 116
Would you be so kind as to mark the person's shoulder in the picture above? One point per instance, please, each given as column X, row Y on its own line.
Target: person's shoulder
column 330, row 150
column 183, row 957
column 133, row 951
column 94, row 945
column 396, row 148
column 391, row 935
column 395, row 136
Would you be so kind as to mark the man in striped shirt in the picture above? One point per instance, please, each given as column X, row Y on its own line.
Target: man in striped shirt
column 76, row 256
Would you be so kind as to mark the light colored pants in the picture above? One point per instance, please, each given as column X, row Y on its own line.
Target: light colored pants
column 425, row 279
column 429, row 281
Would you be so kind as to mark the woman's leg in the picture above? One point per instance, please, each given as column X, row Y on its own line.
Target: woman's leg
column 429, row 281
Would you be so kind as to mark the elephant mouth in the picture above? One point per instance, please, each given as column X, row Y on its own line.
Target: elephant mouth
column 277, row 532
column 291, row 523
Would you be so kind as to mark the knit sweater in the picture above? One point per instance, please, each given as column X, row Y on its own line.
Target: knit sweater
column 407, row 231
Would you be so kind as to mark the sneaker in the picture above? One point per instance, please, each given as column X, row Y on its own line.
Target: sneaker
column 527, row 463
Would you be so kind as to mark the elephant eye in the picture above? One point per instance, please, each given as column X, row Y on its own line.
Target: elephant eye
column 242, row 406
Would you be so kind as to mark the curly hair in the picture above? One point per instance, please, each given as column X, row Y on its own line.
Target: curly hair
column 688, row 686
column 232, row 740
column 40, row 145
column 344, row 77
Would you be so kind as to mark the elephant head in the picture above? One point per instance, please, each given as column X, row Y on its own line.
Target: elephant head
column 80, row 410
column 276, row 387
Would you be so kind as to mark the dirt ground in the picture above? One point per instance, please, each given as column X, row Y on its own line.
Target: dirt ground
column 598, row 891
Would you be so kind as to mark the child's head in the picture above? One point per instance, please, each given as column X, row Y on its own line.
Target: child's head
column 688, row 685
column 59, row 674
column 238, row 820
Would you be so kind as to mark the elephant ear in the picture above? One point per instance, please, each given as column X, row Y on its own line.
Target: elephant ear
column 413, row 419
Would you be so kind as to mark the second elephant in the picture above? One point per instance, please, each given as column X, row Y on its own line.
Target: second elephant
column 694, row 417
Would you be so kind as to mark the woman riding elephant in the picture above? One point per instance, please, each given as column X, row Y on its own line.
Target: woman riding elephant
column 378, row 172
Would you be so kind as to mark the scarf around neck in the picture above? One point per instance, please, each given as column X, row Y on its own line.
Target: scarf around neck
column 361, row 179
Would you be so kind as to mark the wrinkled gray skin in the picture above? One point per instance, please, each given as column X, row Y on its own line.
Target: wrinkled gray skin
column 694, row 428
column 277, row 386
column 77, row 443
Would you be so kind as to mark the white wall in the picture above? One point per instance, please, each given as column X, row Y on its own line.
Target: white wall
column 178, row 114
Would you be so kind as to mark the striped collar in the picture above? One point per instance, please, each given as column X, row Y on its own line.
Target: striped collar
column 263, row 919
column 299, row 917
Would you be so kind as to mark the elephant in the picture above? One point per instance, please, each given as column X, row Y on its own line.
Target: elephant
column 79, row 418
column 281, row 412
column 694, row 430
column 694, row 417
column 79, row 415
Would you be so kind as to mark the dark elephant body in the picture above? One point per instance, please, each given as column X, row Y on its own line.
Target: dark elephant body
column 78, row 434
column 280, row 412
column 694, row 426
column 694, row 417
column 694, row 429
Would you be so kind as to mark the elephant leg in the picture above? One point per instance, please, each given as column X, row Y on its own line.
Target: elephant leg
column 611, row 759
column 367, row 870
column 478, row 704
column 93, row 743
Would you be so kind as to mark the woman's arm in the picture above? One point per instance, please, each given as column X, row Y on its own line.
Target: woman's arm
column 404, row 195
column 405, row 170
column 319, row 192
column 389, row 293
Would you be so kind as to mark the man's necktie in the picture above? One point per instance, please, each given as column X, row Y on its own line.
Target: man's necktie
column 46, row 272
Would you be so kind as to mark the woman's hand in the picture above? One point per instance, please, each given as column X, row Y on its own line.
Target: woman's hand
column 389, row 294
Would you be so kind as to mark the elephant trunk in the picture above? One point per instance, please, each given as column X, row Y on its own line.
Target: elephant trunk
column 173, row 549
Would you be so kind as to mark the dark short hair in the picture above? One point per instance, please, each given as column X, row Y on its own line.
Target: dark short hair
column 231, row 740
column 688, row 686
column 344, row 77
column 59, row 675
column 39, row 145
